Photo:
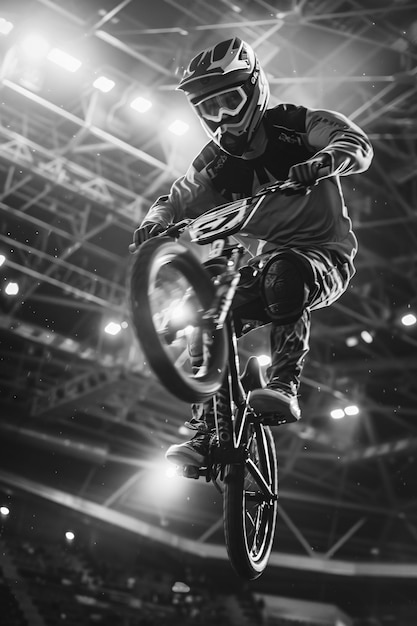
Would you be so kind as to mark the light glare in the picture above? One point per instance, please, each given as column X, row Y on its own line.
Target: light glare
column 65, row 60
column 409, row 319
column 337, row 414
column 351, row 342
column 141, row 104
column 5, row 26
column 12, row 289
column 104, row 84
column 35, row 46
column 4, row 510
column 352, row 410
column 366, row 336
column 264, row 359
column 163, row 484
column 178, row 127
column 112, row 328
column 2, row 259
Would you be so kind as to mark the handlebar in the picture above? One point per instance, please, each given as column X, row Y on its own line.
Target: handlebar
column 287, row 187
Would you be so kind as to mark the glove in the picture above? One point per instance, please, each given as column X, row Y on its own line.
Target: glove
column 144, row 233
column 307, row 172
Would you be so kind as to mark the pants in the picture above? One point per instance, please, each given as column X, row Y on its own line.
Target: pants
column 281, row 289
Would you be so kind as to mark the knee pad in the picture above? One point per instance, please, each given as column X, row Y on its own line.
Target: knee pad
column 284, row 288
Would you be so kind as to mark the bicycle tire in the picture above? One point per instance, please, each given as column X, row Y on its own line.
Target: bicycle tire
column 249, row 517
column 163, row 252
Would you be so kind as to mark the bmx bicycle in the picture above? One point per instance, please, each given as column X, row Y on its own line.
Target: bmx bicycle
column 172, row 296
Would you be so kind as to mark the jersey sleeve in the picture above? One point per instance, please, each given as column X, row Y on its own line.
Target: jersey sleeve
column 333, row 135
column 189, row 196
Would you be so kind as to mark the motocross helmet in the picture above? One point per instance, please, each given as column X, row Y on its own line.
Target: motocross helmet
column 229, row 91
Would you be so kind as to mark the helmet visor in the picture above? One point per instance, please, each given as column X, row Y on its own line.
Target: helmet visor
column 226, row 104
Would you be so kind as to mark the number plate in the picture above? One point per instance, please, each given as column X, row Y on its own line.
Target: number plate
column 223, row 221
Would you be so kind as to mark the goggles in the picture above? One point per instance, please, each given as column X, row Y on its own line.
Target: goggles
column 227, row 104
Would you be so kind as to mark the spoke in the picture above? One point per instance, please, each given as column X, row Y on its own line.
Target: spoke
column 182, row 358
column 259, row 479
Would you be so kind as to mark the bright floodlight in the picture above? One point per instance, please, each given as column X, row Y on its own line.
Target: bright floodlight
column 366, row 336
column 5, row 26
column 4, row 510
column 409, row 319
column 65, row 60
column 264, row 359
column 163, row 484
column 180, row 587
column 178, row 127
column 337, row 414
column 12, row 289
column 69, row 535
column 141, row 104
column 112, row 328
column 352, row 410
column 104, row 84
column 351, row 342
column 2, row 259
column 178, row 312
column 35, row 46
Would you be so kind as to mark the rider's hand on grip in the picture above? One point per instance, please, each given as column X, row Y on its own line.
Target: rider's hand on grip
column 144, row 233
column 308, row 172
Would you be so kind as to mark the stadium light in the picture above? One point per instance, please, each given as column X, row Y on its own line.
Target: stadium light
column 339, row 413
column 12, row 289
column 5, row 26
column 352, row 409
column 178, row 127
column 351, row 342
column 141, row 104
column 409, row 319
column 63, row 59
column 112, row 328
column 104, row 84
column 264, row 359
column 366, row 336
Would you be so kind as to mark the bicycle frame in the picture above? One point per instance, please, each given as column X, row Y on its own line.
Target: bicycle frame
column 242, row 461
column 230, row 424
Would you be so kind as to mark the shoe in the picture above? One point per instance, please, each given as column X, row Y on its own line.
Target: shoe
column 193, row 452
column 280, row 403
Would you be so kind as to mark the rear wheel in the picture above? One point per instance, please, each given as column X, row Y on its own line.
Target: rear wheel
column 250, row 504
column 169, row 293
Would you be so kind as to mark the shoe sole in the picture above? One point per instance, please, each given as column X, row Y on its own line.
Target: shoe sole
column 274, row 408
column 182, row 458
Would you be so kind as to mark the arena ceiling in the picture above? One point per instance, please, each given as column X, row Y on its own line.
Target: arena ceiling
column 83, row 421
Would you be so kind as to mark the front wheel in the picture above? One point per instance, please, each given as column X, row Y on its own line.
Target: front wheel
column 250, row 504
column 169, row 293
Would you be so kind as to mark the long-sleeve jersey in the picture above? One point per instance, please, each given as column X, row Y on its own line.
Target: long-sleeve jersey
column 294, row 134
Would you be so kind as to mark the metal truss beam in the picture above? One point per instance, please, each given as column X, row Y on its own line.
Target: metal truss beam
column 58, row 170
column 84, row 390
column 388, row 449
column 318, row 563
column 95, row 131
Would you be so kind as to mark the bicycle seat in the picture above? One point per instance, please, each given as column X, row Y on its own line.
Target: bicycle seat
column 252, row 377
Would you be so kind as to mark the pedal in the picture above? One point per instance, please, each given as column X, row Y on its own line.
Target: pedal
column 272, row 419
